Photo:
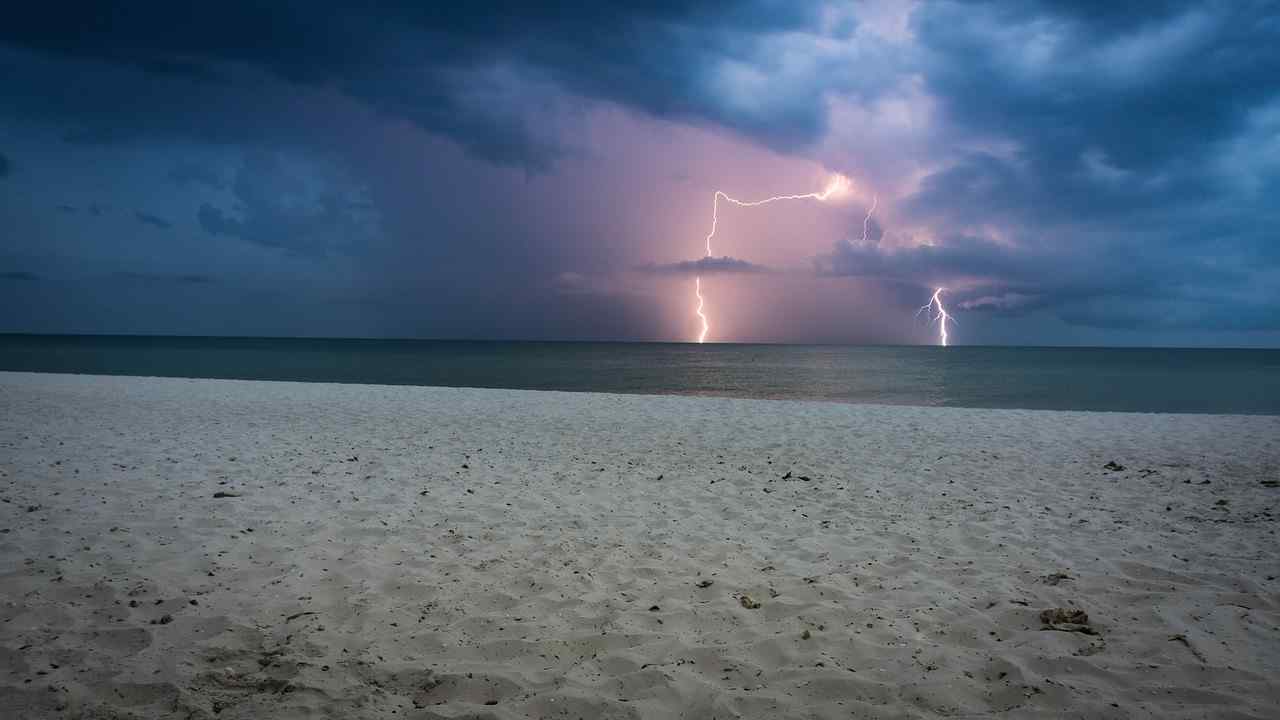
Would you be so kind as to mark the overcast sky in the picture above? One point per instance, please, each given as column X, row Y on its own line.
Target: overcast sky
column 1072, row 172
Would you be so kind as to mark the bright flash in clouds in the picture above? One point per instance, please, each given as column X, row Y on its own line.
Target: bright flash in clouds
column 836, row 186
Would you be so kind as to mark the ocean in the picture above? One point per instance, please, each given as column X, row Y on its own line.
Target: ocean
column 1105, row 379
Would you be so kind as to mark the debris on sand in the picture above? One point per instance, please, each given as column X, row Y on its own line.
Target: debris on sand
column 1064, row 615
column 1055, row 578
column 749, row 602
column 226, row 494
column 1113, row 466
column 1067, row 620
column 1183, row 639
column 1093, row 648
column 705, row 583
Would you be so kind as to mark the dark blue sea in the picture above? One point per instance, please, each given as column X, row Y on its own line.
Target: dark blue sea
column 1118, row 379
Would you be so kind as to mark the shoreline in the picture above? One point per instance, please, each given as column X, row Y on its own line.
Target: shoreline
column 638, row 394
column 438, row 552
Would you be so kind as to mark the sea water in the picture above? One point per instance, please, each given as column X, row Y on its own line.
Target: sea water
column 1115, row 379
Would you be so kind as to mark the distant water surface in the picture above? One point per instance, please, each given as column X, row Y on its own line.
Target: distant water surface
column 1121, row 379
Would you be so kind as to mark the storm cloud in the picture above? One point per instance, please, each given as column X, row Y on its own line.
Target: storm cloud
column 152, row 220
column 508, row 170
column 294, row 208
column 465, row 70
column 164, row 278
column 704, row 266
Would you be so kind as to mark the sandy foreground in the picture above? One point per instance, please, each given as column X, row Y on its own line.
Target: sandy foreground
column 451, row 553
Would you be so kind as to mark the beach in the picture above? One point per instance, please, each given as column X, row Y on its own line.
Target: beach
column 246, row 549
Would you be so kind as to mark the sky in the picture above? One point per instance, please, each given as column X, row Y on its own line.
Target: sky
column 1073, row 173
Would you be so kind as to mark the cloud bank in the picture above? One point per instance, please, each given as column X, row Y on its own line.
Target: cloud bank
column 704, row 266
column 429, row 169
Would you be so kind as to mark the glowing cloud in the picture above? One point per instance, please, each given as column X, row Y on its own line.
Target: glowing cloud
column 705, row 265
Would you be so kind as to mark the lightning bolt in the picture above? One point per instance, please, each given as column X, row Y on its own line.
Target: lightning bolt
column 838, row 185
column 866, row 221
column 941, row 316
column 697, row 289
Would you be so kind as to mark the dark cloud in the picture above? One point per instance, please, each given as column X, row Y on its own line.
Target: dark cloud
column 189, row 174
column 215, row 222
column 461, row 69
column 1100, row 16
column 93, row 209
column 292, row 208
column 5, row 166
column 1097, row 100
column 1115, row 166
column 152, row 220
column 1113, row 287
column 1174, row 313
column 996, row 270
column 152, row 278
column 1110, row 164
column 18, row 275
column 704, row 266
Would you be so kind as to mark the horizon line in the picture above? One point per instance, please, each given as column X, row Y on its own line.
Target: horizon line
column 953, row 346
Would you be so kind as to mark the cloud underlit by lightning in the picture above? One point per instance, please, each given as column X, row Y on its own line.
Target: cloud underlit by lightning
column 937, row 313
column 838, row 185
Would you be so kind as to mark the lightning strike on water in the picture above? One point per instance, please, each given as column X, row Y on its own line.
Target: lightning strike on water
column 697, row 289
column 838, row 185
column 940, row 316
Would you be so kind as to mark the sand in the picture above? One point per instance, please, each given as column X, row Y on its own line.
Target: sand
column 453, row 553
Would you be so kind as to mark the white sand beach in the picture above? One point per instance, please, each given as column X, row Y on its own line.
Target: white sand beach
column 203, row 548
